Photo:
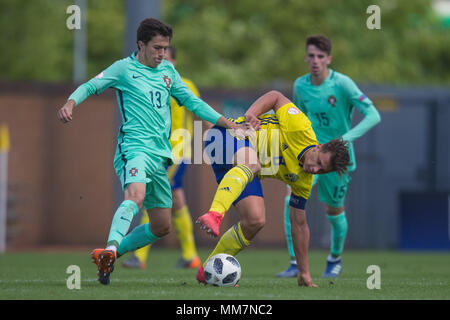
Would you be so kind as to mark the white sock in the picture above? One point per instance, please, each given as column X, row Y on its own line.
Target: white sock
column 294, row 262
column 331, row 259
column 113, row 248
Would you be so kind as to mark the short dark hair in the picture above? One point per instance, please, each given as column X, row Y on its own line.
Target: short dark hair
column 340, row 156
column 321, row 42
column 150, row 28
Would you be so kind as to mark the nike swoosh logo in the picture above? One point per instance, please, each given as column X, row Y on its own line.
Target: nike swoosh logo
column 135, row 76
column 125, row 219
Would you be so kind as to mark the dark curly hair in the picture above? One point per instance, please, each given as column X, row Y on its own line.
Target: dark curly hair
column 340, row 156
column 150, row 28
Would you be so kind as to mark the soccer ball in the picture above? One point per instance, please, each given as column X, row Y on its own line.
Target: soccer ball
column 222, row 270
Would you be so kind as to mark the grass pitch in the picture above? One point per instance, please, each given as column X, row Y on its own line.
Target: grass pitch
column 404, row 276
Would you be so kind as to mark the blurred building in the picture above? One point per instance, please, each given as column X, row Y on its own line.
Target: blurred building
column 62, row 183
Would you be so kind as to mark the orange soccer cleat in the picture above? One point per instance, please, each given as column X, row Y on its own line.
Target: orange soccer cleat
column 104, row 259
column 193, row 263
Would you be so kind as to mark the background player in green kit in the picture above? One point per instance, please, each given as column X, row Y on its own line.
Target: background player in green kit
column 144, row 83
column 328, row 98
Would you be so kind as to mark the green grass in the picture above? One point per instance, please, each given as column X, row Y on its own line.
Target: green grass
column 404, row 276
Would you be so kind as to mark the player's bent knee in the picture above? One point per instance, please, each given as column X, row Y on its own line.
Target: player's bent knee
column 251, row 228
column 299, row 220
column 136, row 198
column 161, row 230
column 255, row 224
column 135, row 192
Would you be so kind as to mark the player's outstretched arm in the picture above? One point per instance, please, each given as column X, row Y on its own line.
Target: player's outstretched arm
column 106, row 79
column 65, row 113
column 272, row 100
column 300, row 240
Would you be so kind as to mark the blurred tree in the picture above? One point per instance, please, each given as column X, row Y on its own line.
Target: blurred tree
column 38, row 46
column 237, row 43
column 35, row 41
column 106, row 30
column 251, row 43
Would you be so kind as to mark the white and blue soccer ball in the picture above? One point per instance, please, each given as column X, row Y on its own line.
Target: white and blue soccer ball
column 222, row 270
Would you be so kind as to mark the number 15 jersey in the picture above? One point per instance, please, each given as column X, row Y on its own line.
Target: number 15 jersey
column 330, row 106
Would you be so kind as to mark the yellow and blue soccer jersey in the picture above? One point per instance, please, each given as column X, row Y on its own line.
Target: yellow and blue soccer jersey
column 330, row 108
column 281, row 143
column 182, row 119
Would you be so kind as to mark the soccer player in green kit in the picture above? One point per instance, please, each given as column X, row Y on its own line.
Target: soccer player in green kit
column 144, row 83
column 328, row 98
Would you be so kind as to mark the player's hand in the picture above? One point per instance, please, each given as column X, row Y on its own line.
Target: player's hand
column 252, row 121
column 242, row 131
column 304, row 280
column 65, row 113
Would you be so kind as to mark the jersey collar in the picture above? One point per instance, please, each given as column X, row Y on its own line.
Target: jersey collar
column 303, row 153
column 329, row 77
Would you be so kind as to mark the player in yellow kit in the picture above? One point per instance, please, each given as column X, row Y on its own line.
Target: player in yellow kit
column 285, row 148
column 181, row 132
column 329, row 99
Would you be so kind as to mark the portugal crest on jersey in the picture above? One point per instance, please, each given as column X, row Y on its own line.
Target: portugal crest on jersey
column 332, row 100
column 168, row 81
column 133, row 172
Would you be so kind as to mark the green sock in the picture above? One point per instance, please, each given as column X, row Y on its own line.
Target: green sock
column 287, row 228
column 338, row 233
column 121, row 222
column 139, row 237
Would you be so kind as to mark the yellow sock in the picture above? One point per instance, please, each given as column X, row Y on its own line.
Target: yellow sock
column 232, row 242
column 142, row 253
column 182, row 222
column 231, row 186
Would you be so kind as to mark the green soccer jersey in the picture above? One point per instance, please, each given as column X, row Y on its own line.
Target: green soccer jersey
column 143, row 95
column 330, row 107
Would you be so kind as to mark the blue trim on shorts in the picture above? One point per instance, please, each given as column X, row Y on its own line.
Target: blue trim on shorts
column 254, row 187
column 123, row 159
column 297, row 202
column 122, row 111
column 177, row 179
column 227, row 151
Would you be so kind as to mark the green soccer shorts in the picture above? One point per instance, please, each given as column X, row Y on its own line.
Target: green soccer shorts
column 332, row 188
column 151, row 171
